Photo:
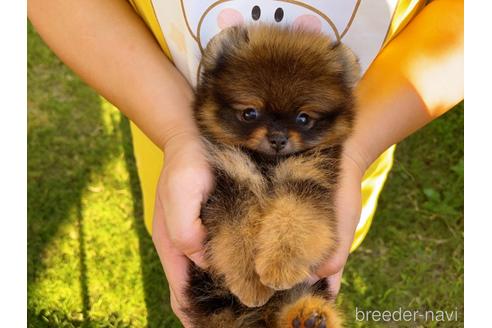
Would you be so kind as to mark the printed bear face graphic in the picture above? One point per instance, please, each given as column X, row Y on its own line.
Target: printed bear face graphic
column 188, row 25
column 207, row 18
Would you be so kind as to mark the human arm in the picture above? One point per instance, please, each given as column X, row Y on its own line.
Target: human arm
column 109, row 46
column 415, row 79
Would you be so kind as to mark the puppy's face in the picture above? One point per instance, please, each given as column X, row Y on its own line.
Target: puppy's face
column 276, row 91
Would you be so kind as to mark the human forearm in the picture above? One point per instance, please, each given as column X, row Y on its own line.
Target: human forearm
column 416, row 78
column 107, row 44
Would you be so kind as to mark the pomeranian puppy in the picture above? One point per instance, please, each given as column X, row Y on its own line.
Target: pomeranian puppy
column 275, row 105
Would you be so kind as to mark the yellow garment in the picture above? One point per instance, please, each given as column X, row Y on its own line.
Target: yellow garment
column 149, row 158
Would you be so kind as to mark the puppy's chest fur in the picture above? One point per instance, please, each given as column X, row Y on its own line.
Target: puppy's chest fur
column 323, row 160
column 270, row 222
column 247, row 181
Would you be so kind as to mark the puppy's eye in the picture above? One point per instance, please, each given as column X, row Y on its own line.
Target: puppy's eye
column 303, row 119
column 249, row 114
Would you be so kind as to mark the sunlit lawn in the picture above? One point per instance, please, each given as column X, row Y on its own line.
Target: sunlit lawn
column 91, row 262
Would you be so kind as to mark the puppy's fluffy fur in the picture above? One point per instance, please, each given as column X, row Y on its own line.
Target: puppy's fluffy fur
column 275, row 106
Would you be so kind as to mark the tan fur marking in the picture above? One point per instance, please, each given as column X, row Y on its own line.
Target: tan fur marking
column 256, row 138
column 296, row 140
column 339, row 132
column 208, row 119
column 240, row 167
column 294, row 237
column 247, row 101
column 305, row 308
column 232, row 252
column 302, row 168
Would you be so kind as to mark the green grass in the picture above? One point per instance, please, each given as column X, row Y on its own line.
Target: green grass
column 413, row 255
column 91, row 262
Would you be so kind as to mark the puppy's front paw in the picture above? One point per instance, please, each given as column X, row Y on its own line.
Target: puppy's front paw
column 280, row 273
column 252, row 294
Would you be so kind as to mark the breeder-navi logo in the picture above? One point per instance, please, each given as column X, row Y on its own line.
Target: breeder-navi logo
column 405, row 315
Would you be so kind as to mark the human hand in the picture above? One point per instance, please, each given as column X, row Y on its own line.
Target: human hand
column 348, row 209
column 178, row 233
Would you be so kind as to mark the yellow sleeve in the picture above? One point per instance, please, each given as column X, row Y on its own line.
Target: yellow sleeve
column 404, row 12
column 145, row 9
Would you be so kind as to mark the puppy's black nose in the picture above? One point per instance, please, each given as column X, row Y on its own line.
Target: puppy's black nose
column 278, row 141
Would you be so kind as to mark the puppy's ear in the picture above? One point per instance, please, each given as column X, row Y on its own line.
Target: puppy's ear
column 224, row 44
column 350, row 63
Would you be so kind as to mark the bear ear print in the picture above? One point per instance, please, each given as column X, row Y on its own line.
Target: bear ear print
column 223, row 44
column 350, row 62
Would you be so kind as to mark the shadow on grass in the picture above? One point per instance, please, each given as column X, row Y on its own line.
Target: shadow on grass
column 68, row 143
column 65, row 150
column 84, row 287
column 154, row 283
